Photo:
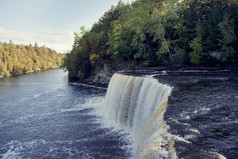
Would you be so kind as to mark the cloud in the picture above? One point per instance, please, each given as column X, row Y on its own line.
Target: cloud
column 57, row 33
column 49, row 31
column 58, row 40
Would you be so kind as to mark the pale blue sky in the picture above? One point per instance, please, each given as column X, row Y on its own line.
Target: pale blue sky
column 49, row 22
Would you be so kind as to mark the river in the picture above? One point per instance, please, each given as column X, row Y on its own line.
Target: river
column 42, row 115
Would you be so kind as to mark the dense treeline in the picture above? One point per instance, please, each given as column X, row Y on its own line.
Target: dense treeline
column 19, row 59
column 151, row 33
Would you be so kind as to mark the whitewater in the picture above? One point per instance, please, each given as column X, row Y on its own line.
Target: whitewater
column 141, row 114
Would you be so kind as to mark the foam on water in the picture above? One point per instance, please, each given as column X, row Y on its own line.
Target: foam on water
column 88, row 85
column 61, row 122
column 40, row 94
column 17, row 149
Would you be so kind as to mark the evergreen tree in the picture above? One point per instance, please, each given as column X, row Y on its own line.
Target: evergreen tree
column 154, row 33
column 18, row 59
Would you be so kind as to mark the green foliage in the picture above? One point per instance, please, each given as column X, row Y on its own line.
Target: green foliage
column 179, row 57
column 195, row 56
column 154, row 33
column 228, row 37
column 18, row 59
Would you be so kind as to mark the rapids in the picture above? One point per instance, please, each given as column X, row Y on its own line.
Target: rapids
column 142, row 114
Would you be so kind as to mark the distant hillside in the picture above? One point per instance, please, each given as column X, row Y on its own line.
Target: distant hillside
column 20, row 59
column 154, row 33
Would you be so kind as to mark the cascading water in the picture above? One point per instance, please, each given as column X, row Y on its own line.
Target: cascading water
column 138, row 104
column 52, row 118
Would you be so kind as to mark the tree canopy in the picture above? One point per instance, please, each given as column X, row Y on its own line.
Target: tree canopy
column 152, row 33
column 19, row 59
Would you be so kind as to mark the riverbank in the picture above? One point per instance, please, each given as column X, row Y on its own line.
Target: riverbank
column 29, row 72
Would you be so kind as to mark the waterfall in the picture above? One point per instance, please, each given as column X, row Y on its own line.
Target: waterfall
column 138, row 104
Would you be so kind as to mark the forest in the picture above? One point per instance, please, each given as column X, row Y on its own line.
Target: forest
column 154, row 33
column 20, row 59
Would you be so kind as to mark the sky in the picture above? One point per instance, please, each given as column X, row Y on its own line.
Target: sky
column 49, row 22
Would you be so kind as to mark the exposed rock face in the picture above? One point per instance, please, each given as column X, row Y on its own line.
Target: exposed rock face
column 101, row 75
